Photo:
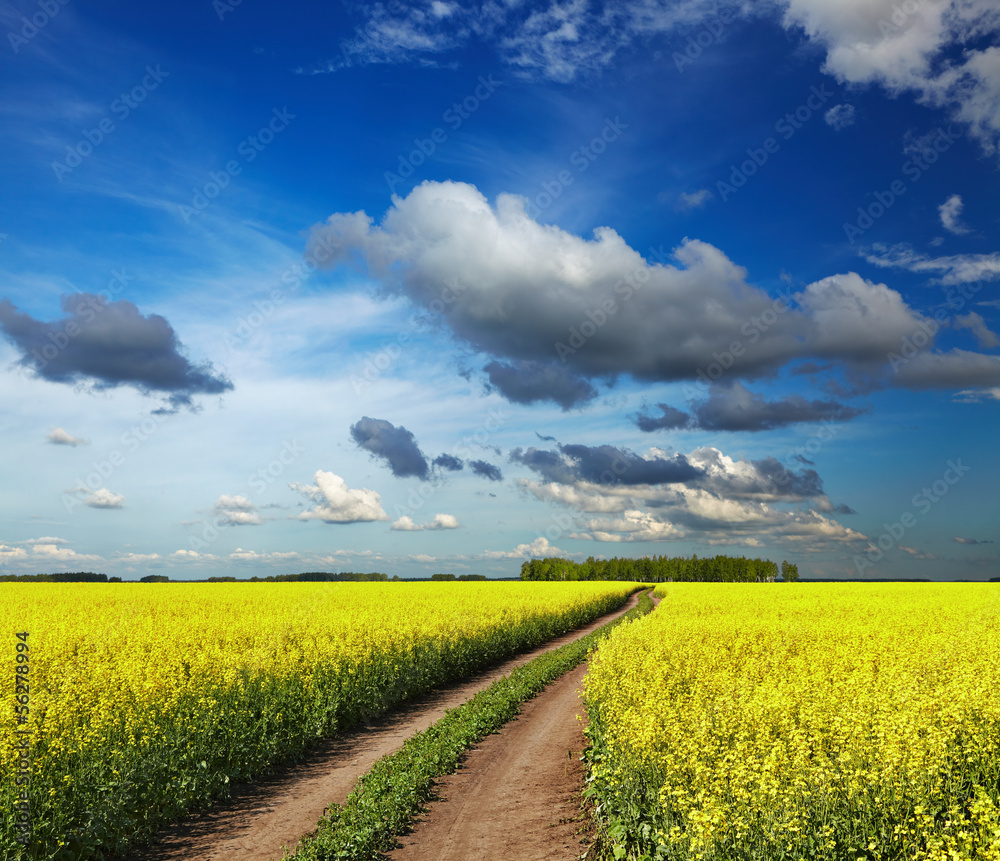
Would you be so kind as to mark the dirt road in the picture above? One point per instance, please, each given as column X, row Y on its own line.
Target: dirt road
column 517, row 796
column 263, row 818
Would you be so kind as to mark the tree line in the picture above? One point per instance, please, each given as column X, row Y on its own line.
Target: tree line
column 659, row 569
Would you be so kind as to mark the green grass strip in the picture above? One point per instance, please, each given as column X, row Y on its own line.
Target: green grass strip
column 387, row 799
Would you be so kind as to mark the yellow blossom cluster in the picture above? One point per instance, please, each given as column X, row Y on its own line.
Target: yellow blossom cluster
column 147, row 701
column 801, row 721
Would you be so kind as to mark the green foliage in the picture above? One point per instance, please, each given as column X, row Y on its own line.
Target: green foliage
column 659, row 569
column 76, row 577
column 387, row 800
column 154, row 578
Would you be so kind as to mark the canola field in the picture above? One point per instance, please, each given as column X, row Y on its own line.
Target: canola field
column 801, row 721
column 128, row 705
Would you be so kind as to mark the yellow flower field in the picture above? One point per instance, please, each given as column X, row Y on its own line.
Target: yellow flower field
column 145, row 701
column 806, row 721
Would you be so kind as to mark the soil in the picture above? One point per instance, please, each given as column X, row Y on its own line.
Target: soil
column 262, row 819
column 518, row 795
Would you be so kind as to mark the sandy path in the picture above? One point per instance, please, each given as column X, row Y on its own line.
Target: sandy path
column 275, row 812
column 517, row 796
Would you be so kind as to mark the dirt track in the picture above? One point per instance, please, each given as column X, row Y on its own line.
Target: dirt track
column 517, row 796
column 274, row 813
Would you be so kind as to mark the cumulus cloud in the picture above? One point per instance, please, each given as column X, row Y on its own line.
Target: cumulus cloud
column 973, row 541
column 449, row 462
column 736, row 408
column 540, row 547
column 950, row 211
column 242, row 555
column 335, row 502
column 555, row 310
column 977, row 325
column 236, row 511
column 605, row 464
column 720, row 499
column 60, row 437
column 396, row 445
column 109, row 344
column 440, row 521
column 940, row 52
column 670, row 418
column 524, row 382
column 733, row 407
column 104, row 498
column 486, row 470
column 693, row 200
column 840, row 117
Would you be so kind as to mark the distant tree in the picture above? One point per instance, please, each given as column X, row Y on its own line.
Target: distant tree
column 154, row 578
column 442, row 577
column 114, row 579
column 789, row 572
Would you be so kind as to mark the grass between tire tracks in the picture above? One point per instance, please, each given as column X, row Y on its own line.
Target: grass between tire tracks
column 386, row 801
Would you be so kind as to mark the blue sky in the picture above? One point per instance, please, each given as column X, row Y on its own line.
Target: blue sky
column 421, row 287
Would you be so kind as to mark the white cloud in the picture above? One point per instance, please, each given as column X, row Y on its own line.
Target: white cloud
column 191, row 556
column 950, row 211
column 104, row 498
column 241, row 555
column 942, row 51
column 60, row 437
column 694, row 199
column 974, row 396
column 954, row 269
column 921, row 46
column 236, row 511
column 979, row 329
column 539, row 547
column 136, row 558
column 730, row 502
column 440, row 521
column 336, row 503
column 46, row 540
column 56, row 553
column 525, row 287
column 840, row 116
